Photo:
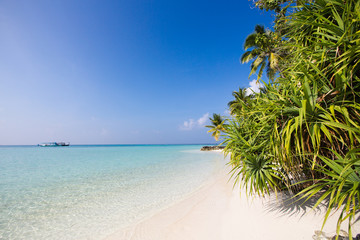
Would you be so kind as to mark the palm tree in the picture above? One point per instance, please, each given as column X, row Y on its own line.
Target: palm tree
column 217, row 126
column 263, row 53
column 270, row 5
column 237, row 104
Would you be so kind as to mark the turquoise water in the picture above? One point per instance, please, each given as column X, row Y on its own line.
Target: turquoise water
column 87, row 192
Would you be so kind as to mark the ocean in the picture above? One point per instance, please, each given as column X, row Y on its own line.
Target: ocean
column 88, row 192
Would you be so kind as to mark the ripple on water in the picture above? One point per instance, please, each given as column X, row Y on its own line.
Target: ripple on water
column 87, row 193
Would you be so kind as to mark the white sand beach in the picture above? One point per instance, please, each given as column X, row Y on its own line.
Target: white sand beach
column 219, row 212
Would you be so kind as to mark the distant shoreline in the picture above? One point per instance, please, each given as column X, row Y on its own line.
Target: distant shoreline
column 212, row 148
column 109, row 145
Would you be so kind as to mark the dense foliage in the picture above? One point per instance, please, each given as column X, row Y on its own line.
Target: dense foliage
column 301, row 132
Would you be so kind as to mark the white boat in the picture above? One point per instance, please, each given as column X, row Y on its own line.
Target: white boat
column 54, row 144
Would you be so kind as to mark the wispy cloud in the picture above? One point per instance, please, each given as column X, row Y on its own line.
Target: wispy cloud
column 191, row 123
column 188, row 125
column 202, row 121
column 254, row 87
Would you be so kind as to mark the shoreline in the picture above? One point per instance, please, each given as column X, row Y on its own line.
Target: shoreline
column 220, row 212
column 89, row 193
column 162, row 224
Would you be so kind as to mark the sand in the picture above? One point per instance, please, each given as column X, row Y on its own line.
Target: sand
column 218, row 211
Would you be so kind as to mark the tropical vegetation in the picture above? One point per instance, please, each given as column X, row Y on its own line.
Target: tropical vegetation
column 217, row 126
column 301, row 133
column 264, row 52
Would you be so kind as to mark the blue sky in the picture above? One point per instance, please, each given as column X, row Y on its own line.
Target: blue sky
column 119, row 72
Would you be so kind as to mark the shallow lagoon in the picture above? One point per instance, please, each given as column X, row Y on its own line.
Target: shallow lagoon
column 87, row 192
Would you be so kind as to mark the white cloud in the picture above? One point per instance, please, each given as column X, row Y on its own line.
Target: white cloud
column 202, row 121
column 191, row 123
column 188, row 125
column 254, row 87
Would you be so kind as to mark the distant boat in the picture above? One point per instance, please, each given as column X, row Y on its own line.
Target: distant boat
column 54, row 144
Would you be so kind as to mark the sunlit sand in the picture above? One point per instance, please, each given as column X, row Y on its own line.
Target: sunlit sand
column 219, row 212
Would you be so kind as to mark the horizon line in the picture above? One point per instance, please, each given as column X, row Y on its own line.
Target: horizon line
column 114, row 144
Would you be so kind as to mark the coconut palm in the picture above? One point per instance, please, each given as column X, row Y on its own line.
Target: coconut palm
column 241, row 98
column 217, row 126
column 263, row 52
column 274, row 5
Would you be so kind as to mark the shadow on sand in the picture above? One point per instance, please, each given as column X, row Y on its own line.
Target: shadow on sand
column 287, row 204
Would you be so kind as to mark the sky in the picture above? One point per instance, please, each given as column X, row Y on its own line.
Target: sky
column 120, row 72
